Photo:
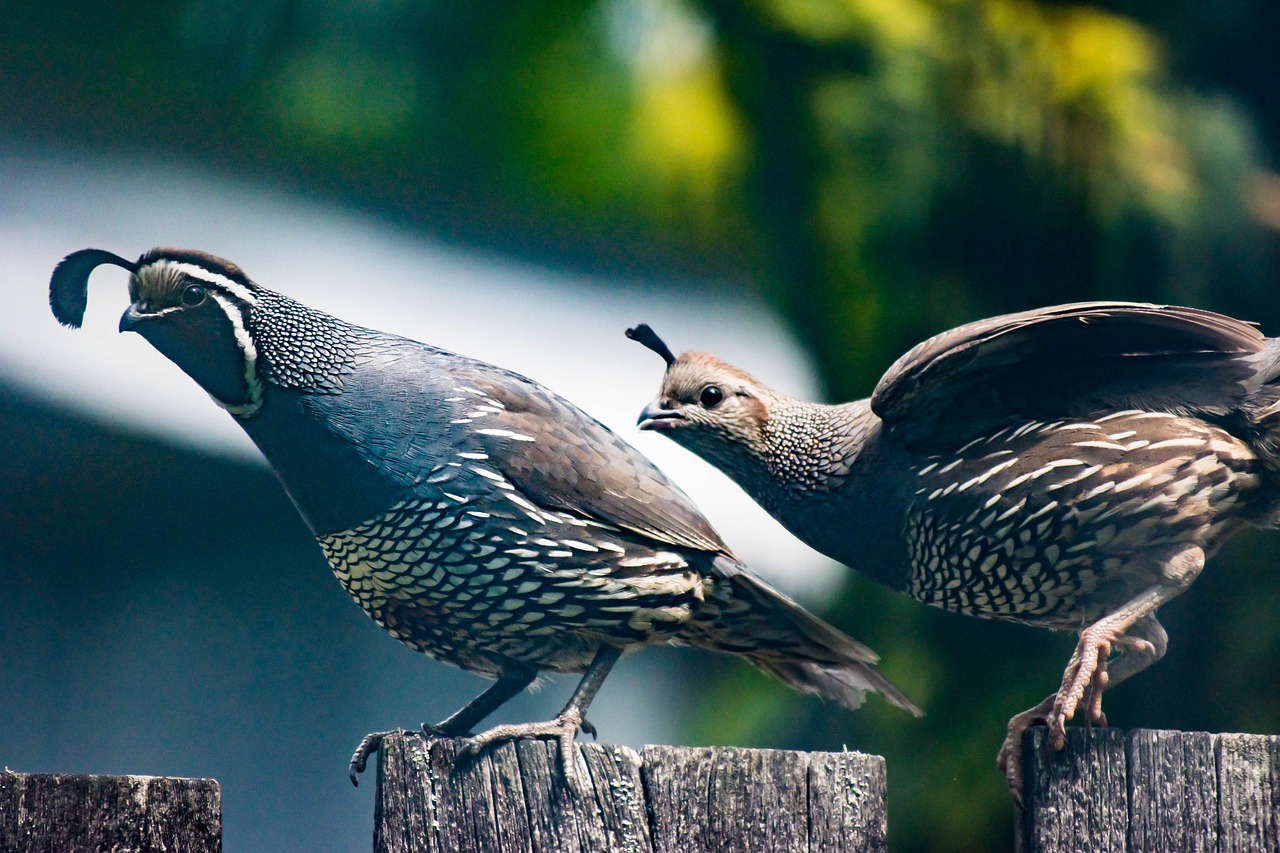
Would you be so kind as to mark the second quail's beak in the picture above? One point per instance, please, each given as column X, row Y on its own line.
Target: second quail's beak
column 656, row 416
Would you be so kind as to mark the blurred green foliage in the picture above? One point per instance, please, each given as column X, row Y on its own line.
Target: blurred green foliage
column 879, row 169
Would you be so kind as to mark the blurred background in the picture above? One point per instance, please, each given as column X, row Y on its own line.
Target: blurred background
column 807, row 187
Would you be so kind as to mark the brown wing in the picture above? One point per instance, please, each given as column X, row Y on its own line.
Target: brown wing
column 576, row 464
column 1066, row 361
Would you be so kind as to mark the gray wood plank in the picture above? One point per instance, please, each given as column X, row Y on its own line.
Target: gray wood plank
column 404, row 815
column 676, row 782
column 509, row 813
column 619, row 791
column 555, row 818
column 847, row 803
column 512, row 798
column 44, row 813
column 1247, row 802
column 1076, row 799
column 759, row 800
column 1173, row 791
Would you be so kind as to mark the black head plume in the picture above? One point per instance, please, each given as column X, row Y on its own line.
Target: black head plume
column 647, row 336
column 69, row 286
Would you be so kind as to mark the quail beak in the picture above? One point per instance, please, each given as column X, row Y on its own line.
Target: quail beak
column 136, row 315
column 130, row 319
column 656, row 417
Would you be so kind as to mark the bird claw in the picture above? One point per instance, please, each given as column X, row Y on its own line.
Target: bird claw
column 372, row 742
column 1085, row 679
column 563, row 728
column 1009, row 759
column 360, row 758
column 587, row 728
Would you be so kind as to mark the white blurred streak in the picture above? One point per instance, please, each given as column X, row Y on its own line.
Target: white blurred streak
column 564, row 331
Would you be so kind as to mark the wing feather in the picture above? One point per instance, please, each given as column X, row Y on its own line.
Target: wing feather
column 1067, row 361
column 576, row 464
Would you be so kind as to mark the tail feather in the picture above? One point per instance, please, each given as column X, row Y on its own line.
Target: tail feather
column 847, row 684
column 744, row 615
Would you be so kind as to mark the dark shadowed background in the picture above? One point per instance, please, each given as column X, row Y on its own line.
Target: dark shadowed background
column 808, row 187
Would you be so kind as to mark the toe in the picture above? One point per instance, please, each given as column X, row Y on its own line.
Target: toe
column 360, row 758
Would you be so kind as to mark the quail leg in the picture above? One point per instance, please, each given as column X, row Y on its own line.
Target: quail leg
column 564, row 727
column 1143, row 645
column 458, row 724
column 1134, row 630
column 1146, row 644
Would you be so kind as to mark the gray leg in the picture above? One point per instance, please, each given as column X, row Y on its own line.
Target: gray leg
column 464, row 719
column 460, row 723
column 564, row 727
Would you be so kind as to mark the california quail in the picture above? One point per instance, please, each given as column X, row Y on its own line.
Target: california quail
column 1070, row 468
column 475, row 515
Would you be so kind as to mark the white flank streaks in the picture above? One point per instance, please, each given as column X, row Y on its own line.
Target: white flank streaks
column 506, row 433
column 982, row 478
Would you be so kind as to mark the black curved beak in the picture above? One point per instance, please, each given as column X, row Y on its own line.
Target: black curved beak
column 131, row 318
column 657, row 417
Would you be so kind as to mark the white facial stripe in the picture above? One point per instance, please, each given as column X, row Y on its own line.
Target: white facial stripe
column 235, row 288
column 245, row 340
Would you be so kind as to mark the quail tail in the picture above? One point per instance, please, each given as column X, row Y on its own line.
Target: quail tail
column 746, row 616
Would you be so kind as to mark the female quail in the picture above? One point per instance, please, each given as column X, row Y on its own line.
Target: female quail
column 1070, row 468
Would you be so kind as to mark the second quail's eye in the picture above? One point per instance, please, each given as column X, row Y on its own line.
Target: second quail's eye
column 711, row 396
column 193, row 295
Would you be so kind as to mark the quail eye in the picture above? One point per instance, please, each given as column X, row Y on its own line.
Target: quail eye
column 193, row 295
column 711, row 396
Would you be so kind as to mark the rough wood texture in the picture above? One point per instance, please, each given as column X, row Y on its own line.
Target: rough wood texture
column 1151, row 791
column 661, row 800
column 123, row 814
column 1076, row 799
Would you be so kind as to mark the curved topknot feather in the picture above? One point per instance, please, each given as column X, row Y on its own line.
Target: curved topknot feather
column 69, row 285
column 645, row 335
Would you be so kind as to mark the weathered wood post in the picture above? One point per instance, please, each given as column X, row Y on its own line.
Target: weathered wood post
column 662, row 798
column 41, row 813
column 1150, row 791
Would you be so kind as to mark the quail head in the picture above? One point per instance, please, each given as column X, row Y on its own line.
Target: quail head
column 1070, row 468
column 472, row 513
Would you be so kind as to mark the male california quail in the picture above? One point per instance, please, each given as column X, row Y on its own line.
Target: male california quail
column 1070, row 468
column 475, row 515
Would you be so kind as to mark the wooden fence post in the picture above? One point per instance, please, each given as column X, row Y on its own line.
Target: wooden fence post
column 660, row 799
column 1150, row 791
column 41, row 813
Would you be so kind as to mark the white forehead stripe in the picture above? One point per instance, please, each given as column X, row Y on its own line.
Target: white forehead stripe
column 195, row 271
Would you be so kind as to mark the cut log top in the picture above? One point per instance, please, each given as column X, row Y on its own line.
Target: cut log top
column 1151, row 791
column 41, row 813
column 661, row 798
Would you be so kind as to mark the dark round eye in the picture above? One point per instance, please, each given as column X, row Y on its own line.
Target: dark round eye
column 193, row 295
column 711, row 396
